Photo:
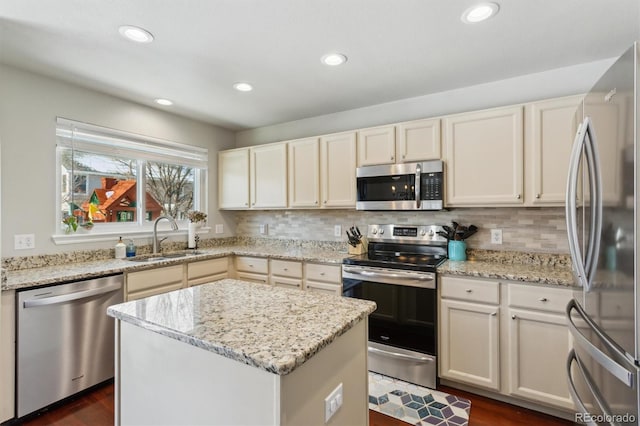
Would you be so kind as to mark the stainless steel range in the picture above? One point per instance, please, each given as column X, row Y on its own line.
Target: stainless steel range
column 399, row 274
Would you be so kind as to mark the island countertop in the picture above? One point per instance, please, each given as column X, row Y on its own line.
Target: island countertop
column 268, row 327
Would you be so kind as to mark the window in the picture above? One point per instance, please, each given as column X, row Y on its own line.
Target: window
column 109, row 178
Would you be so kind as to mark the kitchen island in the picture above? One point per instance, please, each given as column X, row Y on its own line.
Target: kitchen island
column 239, row 353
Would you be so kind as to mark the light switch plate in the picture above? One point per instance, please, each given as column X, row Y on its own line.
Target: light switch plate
column 337, row 231
column 24, row 241
column 264, row 228
column 496, row 236
column 219, row 228
column 332, row 403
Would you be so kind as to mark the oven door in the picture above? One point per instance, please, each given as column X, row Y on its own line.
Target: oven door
column 402, row 330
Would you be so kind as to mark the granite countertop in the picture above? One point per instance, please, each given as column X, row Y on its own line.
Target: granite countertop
column 559, row 275
column 32, row 277
column 268, row 327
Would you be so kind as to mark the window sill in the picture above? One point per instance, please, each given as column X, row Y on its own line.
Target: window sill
column 84, row 236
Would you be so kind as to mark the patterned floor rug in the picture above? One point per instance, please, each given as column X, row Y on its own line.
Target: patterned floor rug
column 416, row 405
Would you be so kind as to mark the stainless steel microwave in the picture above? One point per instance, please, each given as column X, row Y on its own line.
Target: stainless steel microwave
column 406, row 186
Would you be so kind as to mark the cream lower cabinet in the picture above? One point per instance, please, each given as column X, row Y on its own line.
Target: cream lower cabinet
column 469, row 332
column 150, row 282
column 323, row 278
column 484, row 158
column 285, row 273
column 516, row 347
column 206, row 271
column 253, row 269
column 7, row 355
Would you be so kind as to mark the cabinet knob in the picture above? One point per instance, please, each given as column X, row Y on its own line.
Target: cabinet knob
column 513, row 317
column 246, row 204
column 392, row 158
column 518, row 196
column 404, row 156
column 468, row 290
column 286, row 269
column 493, row 314
column 325, row 201
column 537, row 195
column 322, row 274
column 250, row 266
column 315, row 202
column 543, row 299
column 253, row 204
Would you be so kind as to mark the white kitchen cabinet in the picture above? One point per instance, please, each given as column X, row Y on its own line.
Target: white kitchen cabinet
column 268, row 176
column 323, row 278
column 285, row 273
column 469, row 318
column 150, row 282
column 253, row 269
column 338, row 170
column 550, row 129
column 376, row 145
column 206, row 271
column 484, row 158
column 418, row 140
column 304, row 173
column 7, row 354
column 233, row 179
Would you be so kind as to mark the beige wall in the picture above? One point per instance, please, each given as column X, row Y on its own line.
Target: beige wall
column 29, row 105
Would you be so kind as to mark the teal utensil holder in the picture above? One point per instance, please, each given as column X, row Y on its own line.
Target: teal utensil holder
column 457, row 250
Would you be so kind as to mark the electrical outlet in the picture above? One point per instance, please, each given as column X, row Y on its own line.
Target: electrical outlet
column 337, row 231
column 332, row 403
column 219, row 228
column 24, row 241
column 264, row 229
column 496, row 236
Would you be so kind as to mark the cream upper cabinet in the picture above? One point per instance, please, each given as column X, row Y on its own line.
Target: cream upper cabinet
column 304, row 173
column 418, row 140
column 484, row 158
column 376, row 145
column 550, row 129
column 338, row 170
column 268, row 176
column 233, row 179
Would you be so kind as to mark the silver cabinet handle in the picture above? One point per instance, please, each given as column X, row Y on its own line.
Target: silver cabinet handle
column 76, row 295
column 493, row 314
column 392, row 158
column 518, row 196
column 537, row 195
column 325, row 201
column 513, row 317
column 246, row 204
column 399, row 355
column 543, row 299
column 469, row 290
column 315, row 202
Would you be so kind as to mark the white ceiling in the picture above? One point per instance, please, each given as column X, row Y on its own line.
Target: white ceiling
column 396, row 48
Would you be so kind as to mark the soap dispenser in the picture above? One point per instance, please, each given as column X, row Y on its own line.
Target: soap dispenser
column 131, row 249
column 120, row 249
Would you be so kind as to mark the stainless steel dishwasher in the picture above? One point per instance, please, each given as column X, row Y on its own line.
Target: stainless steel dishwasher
column 65, row 340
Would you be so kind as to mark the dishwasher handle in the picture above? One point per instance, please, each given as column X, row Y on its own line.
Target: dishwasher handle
column 76, row 295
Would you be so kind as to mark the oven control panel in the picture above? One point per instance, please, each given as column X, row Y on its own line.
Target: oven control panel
column 415, row 234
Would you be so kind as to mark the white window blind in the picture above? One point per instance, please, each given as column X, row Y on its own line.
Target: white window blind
column 84, row 136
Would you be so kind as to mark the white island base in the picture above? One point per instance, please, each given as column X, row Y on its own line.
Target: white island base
column 162, row 381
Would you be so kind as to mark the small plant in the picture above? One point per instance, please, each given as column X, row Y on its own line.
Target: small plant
column 72, row 224
column 196, row 216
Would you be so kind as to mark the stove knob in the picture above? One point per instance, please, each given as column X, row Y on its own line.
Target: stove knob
column 431, row 232
column 423, row 232
column 375, row 231
column 381, row 231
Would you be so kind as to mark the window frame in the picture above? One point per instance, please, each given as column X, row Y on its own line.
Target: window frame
column 140, row 227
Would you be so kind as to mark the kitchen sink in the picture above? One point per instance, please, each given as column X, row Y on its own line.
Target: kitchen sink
column 163, row 256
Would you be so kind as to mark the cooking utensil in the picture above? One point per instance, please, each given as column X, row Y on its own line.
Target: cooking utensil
column 449, row 231
column 443, row 234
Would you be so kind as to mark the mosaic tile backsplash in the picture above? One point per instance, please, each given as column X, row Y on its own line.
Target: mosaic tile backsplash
column 539, row 230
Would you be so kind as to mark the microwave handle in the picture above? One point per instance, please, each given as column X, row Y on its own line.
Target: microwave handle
column 417, row 185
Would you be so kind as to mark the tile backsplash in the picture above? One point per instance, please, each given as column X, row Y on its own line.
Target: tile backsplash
column 540, row 230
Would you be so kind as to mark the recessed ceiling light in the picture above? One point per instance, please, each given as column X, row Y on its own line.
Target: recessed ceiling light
column 243, row 87
column 165, row 102
column 479, row 12
column 137, row 34
column 333, row 59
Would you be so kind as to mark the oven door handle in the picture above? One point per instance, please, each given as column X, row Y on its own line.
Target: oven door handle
column 426, row 280
column 377, row 351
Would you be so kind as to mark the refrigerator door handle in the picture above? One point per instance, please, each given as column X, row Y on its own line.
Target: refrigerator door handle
column 597, row 395
column 571, row 209
column 595, row 191
column 622, row 368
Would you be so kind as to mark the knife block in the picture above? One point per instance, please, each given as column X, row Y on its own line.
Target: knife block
column 361, row 248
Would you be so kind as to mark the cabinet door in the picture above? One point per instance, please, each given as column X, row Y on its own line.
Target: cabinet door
column 418, row 140
column 304, row 173
column 318, row 287
column 7, row 354
column 233, row 179
column 538, row 346
column 206, row 271
column 153, row 281
column 469, row 343
column 338, row 170
column 550, row 130
column 484, row 158
column 268, row 165
column 286, row 282
column 376, row 146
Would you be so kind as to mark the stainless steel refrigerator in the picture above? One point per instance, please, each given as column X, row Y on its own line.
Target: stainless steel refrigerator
column 603, row 215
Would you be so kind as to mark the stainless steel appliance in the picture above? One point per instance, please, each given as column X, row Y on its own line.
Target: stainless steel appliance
column 399, row 274
column 65, row 340
column 603, row 216
column 406, row 186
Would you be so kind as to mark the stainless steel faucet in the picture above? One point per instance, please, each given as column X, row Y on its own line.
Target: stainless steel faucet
column 156, row 243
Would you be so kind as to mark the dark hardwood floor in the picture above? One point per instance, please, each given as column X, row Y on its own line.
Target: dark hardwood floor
column 96, row 409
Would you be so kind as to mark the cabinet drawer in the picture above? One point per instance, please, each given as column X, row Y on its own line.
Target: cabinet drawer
column 286, row 268
column 316, row 287
column 286, row 282
column 254, row 278
column 256, row 265
column 541, row 298
column 207, row 268
column 326, row 273
column 483, row 291
column 159, row 277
